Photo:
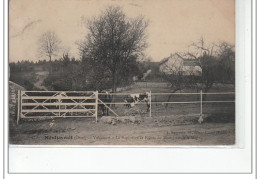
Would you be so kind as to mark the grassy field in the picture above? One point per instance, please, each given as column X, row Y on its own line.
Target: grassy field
column 175, row 125
column 159, row 108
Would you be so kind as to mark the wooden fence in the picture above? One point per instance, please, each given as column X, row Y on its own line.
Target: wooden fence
column 53, row 104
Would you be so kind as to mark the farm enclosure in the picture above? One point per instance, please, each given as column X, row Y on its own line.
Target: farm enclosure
column 175, row 125
column 219, row 100
column 34, row 104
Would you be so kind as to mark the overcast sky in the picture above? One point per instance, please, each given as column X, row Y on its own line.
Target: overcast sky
column 174, row 24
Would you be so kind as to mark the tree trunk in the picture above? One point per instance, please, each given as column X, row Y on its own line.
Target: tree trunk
column 207, row 88
column 50, row 61
column 114, row 87
column 204, row 96
column 170, row 96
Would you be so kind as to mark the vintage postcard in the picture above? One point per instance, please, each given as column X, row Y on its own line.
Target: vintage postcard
column 122, row 72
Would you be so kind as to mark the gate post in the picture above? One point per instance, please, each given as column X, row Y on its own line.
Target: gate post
column 150, row 98
column 201, row 118
column 96, row 105
column 18, row 106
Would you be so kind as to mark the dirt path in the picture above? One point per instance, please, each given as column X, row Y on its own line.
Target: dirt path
column 151, row 131
column 41, row 76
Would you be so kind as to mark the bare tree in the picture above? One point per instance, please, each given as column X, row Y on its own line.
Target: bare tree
column 177, row 77
column 216, row 61
column 114, row 41
column 205, row 55
column 49, row 44
column 226, row 57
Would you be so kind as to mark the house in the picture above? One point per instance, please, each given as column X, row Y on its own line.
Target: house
column 175, row 64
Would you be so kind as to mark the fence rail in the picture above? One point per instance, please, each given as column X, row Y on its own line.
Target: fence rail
column 52, row 104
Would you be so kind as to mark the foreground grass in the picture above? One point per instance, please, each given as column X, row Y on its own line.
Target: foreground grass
column 164, row 130
column 176, row 124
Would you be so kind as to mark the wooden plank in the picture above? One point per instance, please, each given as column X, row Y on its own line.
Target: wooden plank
column 72, row 104
column 96, row 112
column 57, row 97
column 161, row 94
column 166, row 93
column 150, row 100
column 116, row 94
column 45, row 117
column 201, row 102
column 89, row 92
column 178, row 102
column 194, row 102
column 55, row 110
column 219, row 101
column 93, row 104
column 56, row 104
column 59, row 91
column 192, row 93
column 19, row 107
column 221, row 93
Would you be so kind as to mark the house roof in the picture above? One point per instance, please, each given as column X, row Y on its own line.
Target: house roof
column 163, row 61
column 186, row 62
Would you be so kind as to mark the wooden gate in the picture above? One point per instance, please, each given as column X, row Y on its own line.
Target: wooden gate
column 57, row 104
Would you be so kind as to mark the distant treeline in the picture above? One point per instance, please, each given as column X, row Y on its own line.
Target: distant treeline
column 67, row 73
column 70, row 74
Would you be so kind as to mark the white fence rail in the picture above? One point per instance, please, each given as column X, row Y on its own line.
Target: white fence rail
column 53, row 104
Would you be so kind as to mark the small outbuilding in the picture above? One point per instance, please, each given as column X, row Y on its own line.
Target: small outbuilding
column 175, row 63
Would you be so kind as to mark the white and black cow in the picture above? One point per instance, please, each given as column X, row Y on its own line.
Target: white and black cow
column 132, row 99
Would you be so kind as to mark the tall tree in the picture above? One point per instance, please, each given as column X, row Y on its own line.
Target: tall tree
column 49, row 44
column 226, row 57
column 217, row 61
column 174, row 73
column 113, row 44
column 205, row 55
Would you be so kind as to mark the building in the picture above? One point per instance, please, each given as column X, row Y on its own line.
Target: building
column 175, row 64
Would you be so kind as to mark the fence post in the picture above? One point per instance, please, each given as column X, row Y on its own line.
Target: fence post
column 96, row 105
column 59, row 100
column 108, row 108
column 150, row 98
column 200, row 102
column 18, row 107
column 201, row 118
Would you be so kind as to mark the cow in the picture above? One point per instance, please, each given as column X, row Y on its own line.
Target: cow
column 132, row 99
column 105, row 97
column 129, row 101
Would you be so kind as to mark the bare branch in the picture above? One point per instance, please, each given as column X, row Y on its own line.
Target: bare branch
column 49, row 44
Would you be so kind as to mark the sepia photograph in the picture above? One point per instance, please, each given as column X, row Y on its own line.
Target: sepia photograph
column 122, row 72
